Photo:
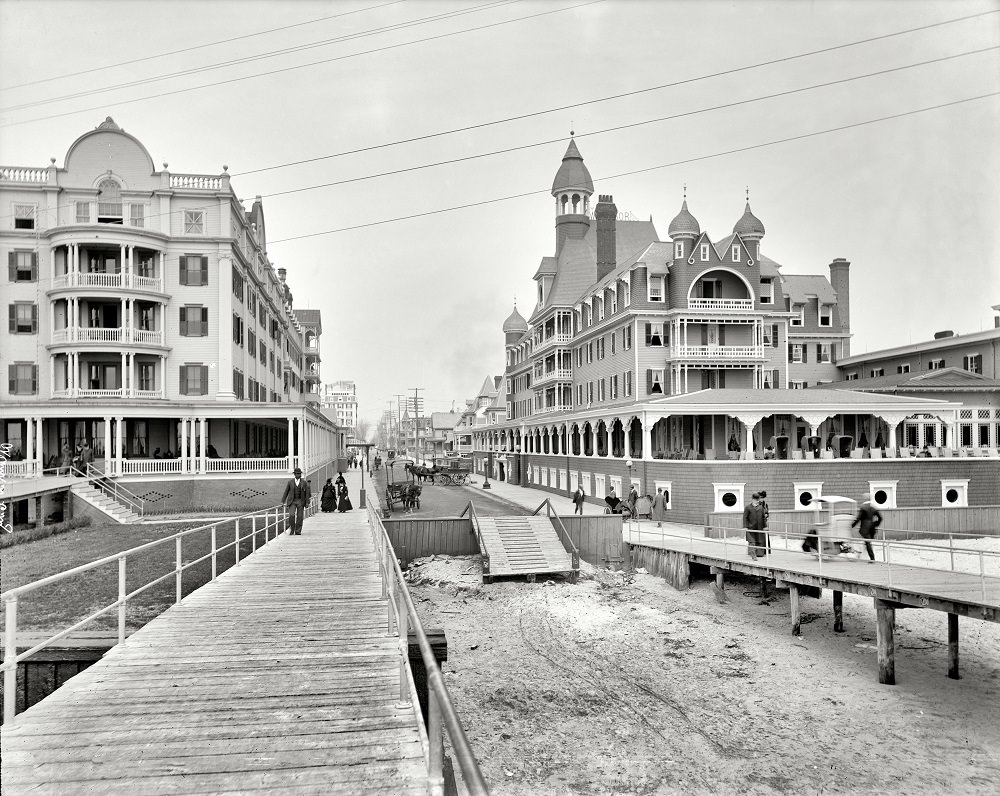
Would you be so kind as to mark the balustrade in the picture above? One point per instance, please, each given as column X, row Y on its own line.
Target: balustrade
column 13, row 174
column 720, row 304
column 718, row 352
column 201, row 181
column 115, row 280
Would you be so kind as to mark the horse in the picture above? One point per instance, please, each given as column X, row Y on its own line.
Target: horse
column 422, row 473
column 411, row 496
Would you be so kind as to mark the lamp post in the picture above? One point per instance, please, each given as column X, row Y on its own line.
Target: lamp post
column 489, row 466
column 628, row 466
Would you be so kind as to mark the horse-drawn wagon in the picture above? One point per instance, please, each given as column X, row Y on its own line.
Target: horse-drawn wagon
column 403, row 493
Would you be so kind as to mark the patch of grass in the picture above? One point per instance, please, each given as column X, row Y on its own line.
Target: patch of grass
column 42, row 532
column 61, row 604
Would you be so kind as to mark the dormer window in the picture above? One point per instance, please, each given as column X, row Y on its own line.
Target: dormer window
column 627, row 294
column 766, row 291
column 736, row 252
column 704, row 252
column 656, row 288
column 679, row 249
column 24, row 216
column 799, row 318
column 540, row 294
column 600, row 309
column 826, row 315
column 109, row 203
column 614, row 301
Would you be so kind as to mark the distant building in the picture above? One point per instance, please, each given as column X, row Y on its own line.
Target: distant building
column 340, row 399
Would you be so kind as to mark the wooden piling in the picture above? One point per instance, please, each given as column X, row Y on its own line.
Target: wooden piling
column 886, row 621
column 953, row 647
column 838, row 611
column 676, row 570
column 793, row 595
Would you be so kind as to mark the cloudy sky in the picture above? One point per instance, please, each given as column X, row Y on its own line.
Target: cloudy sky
column 311, row 103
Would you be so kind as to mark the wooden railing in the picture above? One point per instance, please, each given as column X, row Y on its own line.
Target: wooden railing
column 474, row 518
column 274, row 518
column 117, row 492
column 567, row 540
column 441, row 714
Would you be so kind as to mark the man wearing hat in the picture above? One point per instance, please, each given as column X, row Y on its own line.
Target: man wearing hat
column 869, row 518
column 296, row 497
column 754, row 522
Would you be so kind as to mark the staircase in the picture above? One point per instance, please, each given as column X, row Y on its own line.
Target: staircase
column 107, row 505
column 523, row 546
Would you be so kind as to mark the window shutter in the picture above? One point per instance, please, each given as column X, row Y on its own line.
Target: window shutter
column 12, row 309
column 184, row 323
column 34, row 266
column 204, row 379
column 722, row 379
column 649, row 333
column 833, row 353
column 805, row 353
column 204, row 321
column 805, row 384
column 203, row 270
column 722, row 334
column 775, row 381
column 12, row 266
column 184, row 380
column 704, row 335
column 182, row 269
column 34, row 318
column 774, row 335
column 649, row 381
column 34, row 379
column 12, row 379
column 790, row 352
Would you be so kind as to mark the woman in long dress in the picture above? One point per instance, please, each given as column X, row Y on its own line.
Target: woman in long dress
column 328, row 502
column 344, row 503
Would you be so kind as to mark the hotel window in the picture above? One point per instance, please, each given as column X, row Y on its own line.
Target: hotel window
column 83, row 212
column 22, row 266
column 626, row 338
column 147, row 376
column 654, row 381
column 24, row 216
column 252, row 302
column 263, row 353
column 614, row 300
column 935, row 364
column 823, row 353
column 904, row 368
column 194, row 222
column 796, row 385
column 22, row 378
column 237, row 330
column 600, row 347
column 656, row 288
column 704, row 252
column 590, row 352
column 590, row 392
column 137, row 215
column 797, row 353
column 654, row 334
column 736, row 252
column 237, row 284
column 628, row 383
column 613, row 341
column 23, row 318
column 600, row 309
column 766, row 291
column 251, row 342
column 973, row 363
column 194, row 321
column 579, row 356
column 826, row 315
column 877, row 372
column 579, row 395
column 626, row 294
column 799, row 318
column 678, row 250
column 193, row 270
column 771, row 379
column 614, row 387
column 852, row 376
column 109, row 203
column 600, row 390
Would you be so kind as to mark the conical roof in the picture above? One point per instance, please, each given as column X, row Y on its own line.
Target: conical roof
column 684, row 223
column 572, row 174
column 515, row 323
column 749, row 225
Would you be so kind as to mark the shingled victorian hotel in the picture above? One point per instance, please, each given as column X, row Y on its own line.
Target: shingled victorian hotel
column 688, row 364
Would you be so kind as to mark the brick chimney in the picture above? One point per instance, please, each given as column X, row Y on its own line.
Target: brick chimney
column 605, row 213
column 840, row 280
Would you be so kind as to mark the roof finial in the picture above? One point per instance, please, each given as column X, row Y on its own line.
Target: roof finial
column 748, row 194
column 571, row 126
column 685, row 191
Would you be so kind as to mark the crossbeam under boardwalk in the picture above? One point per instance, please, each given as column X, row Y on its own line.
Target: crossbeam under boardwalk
column 280, row 677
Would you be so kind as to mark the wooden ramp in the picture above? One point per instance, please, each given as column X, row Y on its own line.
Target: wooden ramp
column 523, row 546
column 277, row 678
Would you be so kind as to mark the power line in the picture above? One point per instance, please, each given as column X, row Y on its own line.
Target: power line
column 261, row 56
column 558, row 108
column 303, row 66
column 631, row 125
column 196, row 47
column 643, row 170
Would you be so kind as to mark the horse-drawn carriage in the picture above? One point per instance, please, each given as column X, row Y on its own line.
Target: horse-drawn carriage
column 448, row 471
column 403, row 493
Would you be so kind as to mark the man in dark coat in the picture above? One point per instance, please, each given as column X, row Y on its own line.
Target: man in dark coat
column 297, row 496
column 868, row 519
column 754, row 521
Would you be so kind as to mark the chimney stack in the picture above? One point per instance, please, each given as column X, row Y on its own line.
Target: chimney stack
column 606, row 214
column 840, row 280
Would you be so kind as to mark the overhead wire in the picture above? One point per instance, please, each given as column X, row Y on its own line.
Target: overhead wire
column 262, row 56
column 695, row 159
column 196, row 47
column 295, row 67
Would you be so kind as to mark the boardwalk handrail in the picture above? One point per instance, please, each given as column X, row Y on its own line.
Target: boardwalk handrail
column 805, row 518
column 113, row 489
column 440, row 709
column 885, row 545
column 561, row 529
column 474, row 519
column 274, row 517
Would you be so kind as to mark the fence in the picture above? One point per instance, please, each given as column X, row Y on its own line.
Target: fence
column 598, row 538
column 450, row 536
column 247, row 526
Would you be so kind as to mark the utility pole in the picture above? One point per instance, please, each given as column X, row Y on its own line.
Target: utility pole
column 416, row 422
column 400, row 442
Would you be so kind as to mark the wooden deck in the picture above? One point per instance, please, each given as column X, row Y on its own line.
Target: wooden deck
column 523, row 546
column 279, row 677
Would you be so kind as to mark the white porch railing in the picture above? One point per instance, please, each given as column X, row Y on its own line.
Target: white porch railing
column 98, row 334
column 87, row 279
column 21, row 469
column 555, row 339
column 557, row 374
column 720, row 304
column 549, row 409
column 146, row 282
column 118, row 280
column 149, row 466
column 147, row 394
column 718, row 352
column 15, row 174
column 246, row 465
column 101, row 334
column 147, row 336
column 196, row 181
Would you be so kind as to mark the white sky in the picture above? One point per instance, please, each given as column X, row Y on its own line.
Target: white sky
column 913, row 202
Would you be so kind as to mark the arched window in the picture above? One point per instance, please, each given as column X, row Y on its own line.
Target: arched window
column 576, row 203
column 109, row 202
column 564, row 201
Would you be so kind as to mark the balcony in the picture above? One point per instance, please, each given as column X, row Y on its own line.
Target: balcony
column 706, row 353
column 121, row 392
column 119, row 281
column 112, row 335
column 721, row 304
column 553, row 375
column 547, row 410
column 561, row 338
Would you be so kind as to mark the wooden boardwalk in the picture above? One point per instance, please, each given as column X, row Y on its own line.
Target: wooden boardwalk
column 523, row 546
column 279, row 678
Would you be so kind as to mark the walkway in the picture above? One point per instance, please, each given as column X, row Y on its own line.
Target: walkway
column 279, row 677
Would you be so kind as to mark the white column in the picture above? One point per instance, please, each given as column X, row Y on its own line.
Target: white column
column 52, row 374
column 203, row 442
column 122, row 265
column 125, row 387
column 40, row 445
column 119, row 443
column 29, row 445
column 224, row 391
column 291, row 443
column 182, row 453
column 161, row 379
column 107, row 444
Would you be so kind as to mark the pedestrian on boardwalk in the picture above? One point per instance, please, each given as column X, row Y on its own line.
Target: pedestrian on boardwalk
column 328, row 500
column 66, row 462
column 296, row 498
column 659, row 506
column 753, row 522
column 344, row 503
column 632, row 499
column 869, row 519
column 341, row 481
column 578, row 500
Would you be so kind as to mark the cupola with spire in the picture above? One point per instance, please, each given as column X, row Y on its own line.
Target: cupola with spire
column 750, row 228
column 572, row 189
column 684, row 230
column 514, row 327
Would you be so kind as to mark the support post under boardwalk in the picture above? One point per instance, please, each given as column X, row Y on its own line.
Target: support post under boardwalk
column 953, row 647
column 886, row 620
column 838, row 611
column 793, row 596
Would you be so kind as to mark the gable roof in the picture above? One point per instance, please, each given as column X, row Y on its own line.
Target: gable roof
column 445, row 420
column 546, row 266
column 799, row 288
column 943, row 380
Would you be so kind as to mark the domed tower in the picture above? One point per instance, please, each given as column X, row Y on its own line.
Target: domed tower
column 572, row 189
column 684, row 231
column 750, row 228
column 514, row 327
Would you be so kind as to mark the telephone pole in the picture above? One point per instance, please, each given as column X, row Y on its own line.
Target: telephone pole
column 416, row 422
column 400, row 442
